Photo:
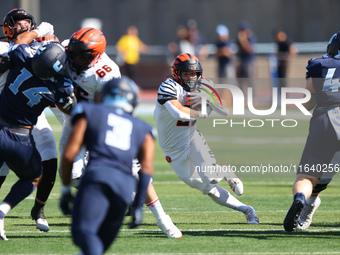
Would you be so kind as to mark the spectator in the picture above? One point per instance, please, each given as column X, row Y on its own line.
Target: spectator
column 245, row 42
column 182, row 45
column 129, row 47
column 224, row 54
column 285, row 50
column 196, row 38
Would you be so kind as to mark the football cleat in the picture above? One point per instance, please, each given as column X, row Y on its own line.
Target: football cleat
column 291, row 220
column 2, row 230
column 306, row 214
column 234, row 182
column 235, row 185
column 251, row 216
column 40, row 220
column 168, row 228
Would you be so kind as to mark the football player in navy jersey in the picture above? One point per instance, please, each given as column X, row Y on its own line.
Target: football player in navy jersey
column 18, row 24
column 113, row 138
column 33, row 83
column 321, row 156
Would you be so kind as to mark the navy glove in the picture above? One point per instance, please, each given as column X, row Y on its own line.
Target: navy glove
column 137, row 217
column 66, row 200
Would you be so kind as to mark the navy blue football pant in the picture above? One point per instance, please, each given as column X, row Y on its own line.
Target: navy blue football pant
column 97, row 216
column 22, row 157
column 321, row 145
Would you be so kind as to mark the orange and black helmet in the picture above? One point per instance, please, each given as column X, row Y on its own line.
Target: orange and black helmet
column 86, row 42
column 186, row 62
column 11, row 18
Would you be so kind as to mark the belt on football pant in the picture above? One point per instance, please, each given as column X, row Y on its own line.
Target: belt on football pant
column 16, row 129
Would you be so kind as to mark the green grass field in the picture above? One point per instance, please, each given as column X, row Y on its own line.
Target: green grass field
column 207, row 227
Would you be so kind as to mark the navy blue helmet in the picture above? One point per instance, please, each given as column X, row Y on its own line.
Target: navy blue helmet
column 333, row 47
column 49, row 60
column 121, row 93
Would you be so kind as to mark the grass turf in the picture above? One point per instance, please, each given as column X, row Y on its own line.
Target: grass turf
column 207, row 227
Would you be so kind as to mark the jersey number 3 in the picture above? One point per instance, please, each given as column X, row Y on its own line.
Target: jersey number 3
column 120, row 134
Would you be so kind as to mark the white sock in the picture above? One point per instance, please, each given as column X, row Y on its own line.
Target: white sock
column 156, row 208
column 311, row 199
column 223, row 197
column 5, row 208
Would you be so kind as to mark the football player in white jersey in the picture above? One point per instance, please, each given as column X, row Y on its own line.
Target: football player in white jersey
column 90, row 68
column 19, row 23
column 183, row 145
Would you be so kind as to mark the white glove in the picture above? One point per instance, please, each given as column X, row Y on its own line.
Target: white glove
column 218, row 109
column 44, row 29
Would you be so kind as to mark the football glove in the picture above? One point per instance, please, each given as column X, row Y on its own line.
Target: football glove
column 66, row 200
column 67, row 103
column 137, row 217
column 219, row 109
column 44, row 29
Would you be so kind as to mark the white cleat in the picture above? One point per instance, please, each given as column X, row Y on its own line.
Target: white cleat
column 2, row 230
column 306, row 215
column 235, row 185
column 168, row 228
column 251, row 216
column 42, row 225
column 233, row 181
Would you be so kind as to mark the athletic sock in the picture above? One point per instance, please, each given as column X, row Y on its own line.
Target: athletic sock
column 47, row 180
column 38, row 205
column 311, row 199
column 156, row 208
column 4, row 209
column 223, row 197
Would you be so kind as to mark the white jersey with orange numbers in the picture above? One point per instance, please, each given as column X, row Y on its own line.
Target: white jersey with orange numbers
column 173, row 134
column 92, row 80
column 87, row 84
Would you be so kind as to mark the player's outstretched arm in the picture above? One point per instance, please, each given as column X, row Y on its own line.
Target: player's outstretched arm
column 44, row 29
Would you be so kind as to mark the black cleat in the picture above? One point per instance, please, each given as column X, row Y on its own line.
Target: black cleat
column 292, row 216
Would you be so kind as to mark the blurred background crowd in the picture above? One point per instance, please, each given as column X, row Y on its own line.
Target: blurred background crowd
column 237, row 42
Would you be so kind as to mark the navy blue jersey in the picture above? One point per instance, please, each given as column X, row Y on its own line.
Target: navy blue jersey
column 113, row 139
column 223, row 60
column 25, row 96
column 325, row 73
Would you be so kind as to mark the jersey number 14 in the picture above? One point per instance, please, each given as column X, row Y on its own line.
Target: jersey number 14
column 330, row 83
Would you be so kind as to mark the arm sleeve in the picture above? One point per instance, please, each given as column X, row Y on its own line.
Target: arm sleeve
column 176, row 113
